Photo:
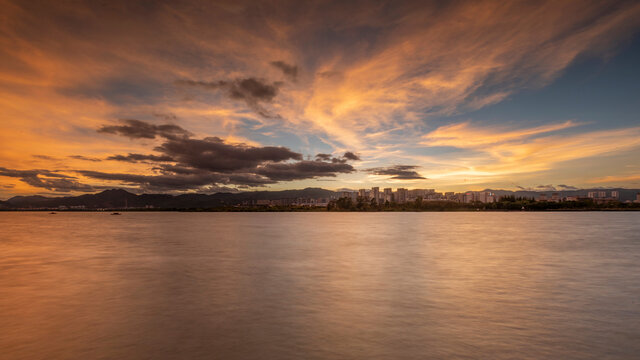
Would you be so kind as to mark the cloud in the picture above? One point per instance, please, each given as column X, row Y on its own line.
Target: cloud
column 47, row 179
column 136, row 129
column 178, row 182
column 252, row 91
column 351, row 156
column 367, row 69
column 141, row 157
column 633, row 178
column 468, row 135
column 348, row 156
column 471, row 54
column 567, row 187
column 499, row 151
column 43, row 157
column 211, row 161
column 290, row 70
column 214, row 154
column 303, row 170
column 398, row 172
column 80, row 157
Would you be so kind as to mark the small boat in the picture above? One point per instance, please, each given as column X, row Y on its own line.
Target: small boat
column 116, row 213
column 52, row 213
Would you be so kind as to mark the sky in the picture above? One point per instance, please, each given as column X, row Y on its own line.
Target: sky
column 208, row 96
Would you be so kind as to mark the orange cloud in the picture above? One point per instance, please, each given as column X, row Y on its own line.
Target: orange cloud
column 499, row 153
column 612, row 179
column 361, row 73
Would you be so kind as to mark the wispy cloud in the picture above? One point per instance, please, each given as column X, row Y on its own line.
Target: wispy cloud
column 497, row 151
column 613, row 179
column 361, row 76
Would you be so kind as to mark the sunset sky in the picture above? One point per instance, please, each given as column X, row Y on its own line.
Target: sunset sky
column 207, row 96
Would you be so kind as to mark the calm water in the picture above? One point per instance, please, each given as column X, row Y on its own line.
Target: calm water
column 320, row 286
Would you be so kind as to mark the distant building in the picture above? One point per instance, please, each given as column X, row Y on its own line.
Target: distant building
column 542, row 197
column 555, row 197
column 402, row 195
column 615, row 194
column 375, row 194
column 388, row 194
column 602, row 194
column 349, row 195
column 479, row 196
column 362, row 193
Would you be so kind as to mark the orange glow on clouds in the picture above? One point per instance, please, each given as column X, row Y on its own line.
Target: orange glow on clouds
column 69, row 68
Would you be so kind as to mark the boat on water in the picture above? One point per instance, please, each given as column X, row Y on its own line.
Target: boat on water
column 116, row 213
column 53, row 213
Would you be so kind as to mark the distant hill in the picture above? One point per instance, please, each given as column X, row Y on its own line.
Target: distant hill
column 118, row 198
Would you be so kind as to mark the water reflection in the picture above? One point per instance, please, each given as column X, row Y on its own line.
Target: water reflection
column 320, row 285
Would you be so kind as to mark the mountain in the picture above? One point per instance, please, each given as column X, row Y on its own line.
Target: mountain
column 118, row 198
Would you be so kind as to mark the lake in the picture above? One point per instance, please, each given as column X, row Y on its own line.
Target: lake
column 166, row 285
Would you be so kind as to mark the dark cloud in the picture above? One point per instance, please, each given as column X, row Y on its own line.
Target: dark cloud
column 177, row 182
column 166, row 117
column 140, row 157
column 44, row 157
column 287, row 69
column 185, row 163
column 567, row 187
column 330, row 74
column 252, row 91
column 137, row 129
column 200, row 163
column 156, row 182
column 213, row 154
column 302, row 170
column 399, row 172
column 47, row 179
column 346, row 157
column 351, row 156
column 80, row 157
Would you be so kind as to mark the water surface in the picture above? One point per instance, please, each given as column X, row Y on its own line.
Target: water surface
column 320, row 285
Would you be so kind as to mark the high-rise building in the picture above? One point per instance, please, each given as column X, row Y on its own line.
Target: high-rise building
column 402, row 195
column 602, row 194
column 362, row 193
column 615, row 194
column 468, row 197
column 542, row 197
column 375, row 194
column 388, row 194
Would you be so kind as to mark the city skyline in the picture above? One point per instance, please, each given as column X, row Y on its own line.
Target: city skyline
column 243, row 96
